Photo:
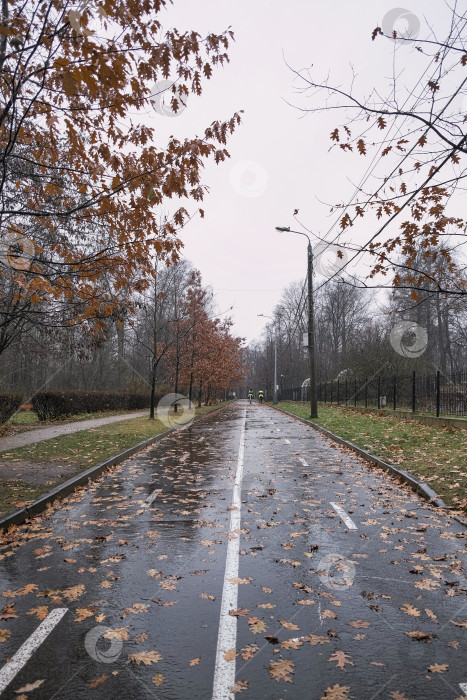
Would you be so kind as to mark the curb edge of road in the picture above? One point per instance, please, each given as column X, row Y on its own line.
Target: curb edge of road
column 417, row 485
column 21, row 515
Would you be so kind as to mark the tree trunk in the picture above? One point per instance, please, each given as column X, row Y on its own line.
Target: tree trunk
column 200, row 388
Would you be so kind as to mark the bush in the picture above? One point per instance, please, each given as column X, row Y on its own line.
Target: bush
column 50, row 405
column 9, row 404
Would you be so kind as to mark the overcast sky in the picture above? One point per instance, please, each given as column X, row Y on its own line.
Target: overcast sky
column 280, row 158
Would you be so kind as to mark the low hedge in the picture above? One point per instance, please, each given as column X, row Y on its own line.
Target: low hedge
column 50, row 405
column 9, row 404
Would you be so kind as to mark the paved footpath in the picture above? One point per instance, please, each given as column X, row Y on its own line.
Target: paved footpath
column 243, row 554
column 40, row 434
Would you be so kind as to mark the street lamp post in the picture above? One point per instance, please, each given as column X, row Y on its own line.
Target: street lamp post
column 311, row 322
column 274, row 400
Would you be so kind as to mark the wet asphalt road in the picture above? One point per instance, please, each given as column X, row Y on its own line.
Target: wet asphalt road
column 324, row 605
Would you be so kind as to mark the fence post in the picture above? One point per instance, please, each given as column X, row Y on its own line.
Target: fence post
column 331, row 392
column 355, row 393
column 366, row 392
column 379, row 391
column 413, row 392
column 337, row 392
column 346, row 392
column 437, row 393
column 325, row 392
column 394, row 391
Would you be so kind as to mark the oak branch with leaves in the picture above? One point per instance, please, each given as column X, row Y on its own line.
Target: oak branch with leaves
column 81, row 179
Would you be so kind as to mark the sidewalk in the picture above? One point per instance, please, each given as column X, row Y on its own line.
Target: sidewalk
column 40, row 434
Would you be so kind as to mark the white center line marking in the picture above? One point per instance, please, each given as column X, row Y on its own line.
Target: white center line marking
column 304, row 462
column 224, row 671
column 463, row 687
column 287, row 441
column 343, row 515
column 26, row 650
column 152, row 497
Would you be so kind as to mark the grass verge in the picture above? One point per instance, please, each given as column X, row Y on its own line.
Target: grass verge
column 437, row 455
column 43, row 465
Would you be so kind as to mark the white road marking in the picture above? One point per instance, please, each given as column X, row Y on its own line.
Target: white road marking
column 26, row 650
column 463, row 687
column 287, row 441
column 224, row 671
column 304, row 462
column 278, row 430
column 343, row 515
column 152, row 497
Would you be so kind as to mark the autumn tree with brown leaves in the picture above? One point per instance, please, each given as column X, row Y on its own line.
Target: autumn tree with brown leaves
column 417, row 137
column 81, row 179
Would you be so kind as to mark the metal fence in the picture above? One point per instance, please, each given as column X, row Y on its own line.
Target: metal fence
column 438, row 393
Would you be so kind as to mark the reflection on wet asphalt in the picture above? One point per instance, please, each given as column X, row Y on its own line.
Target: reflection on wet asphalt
column 140, row 557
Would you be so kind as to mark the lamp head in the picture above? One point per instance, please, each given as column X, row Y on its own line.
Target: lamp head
column 283, row 229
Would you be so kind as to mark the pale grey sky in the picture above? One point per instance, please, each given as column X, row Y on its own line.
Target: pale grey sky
column 280, row 159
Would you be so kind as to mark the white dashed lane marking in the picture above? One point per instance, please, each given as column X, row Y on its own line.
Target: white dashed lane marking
column 287, row 441
column 224, row 671
column 343, row 516
column 304, row 462
column 152, row 497
column 26, row 650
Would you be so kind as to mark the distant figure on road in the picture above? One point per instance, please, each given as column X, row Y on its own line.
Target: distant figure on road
column 261, row 395
column 250, row 395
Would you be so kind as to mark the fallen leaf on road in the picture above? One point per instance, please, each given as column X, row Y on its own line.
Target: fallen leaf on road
column 315, row 639
column 239, row 611
column 410, row 610
column 74, row 592
column 29, row 588
column 158, row 679
column 239, row 686
column 82, row 613
column 4, row 634
column 289, row 625
column 438, row 668
column 459, row 624
column 359, row 624
column 342, row 658
column 240, row 580
column 280, row 670
column 97, row 681
column 118, row 633
column 145, row 657
column 328, row 613
column 337, row 692
column 256, row 625
column 29, row 687
column 140, row 638
column 230, row 655
column 8, row 611
column 419, row 636
column 195, row 662
column 266, row 590
column 248, row 651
